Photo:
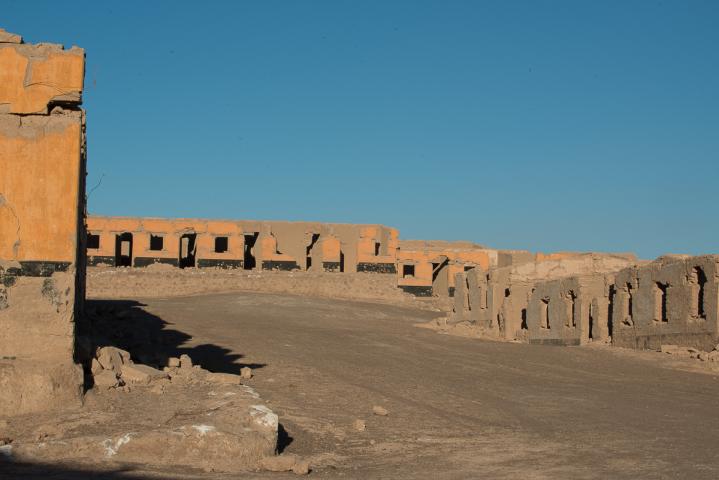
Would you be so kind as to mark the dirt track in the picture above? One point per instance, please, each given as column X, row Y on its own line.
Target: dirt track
column 459, row 408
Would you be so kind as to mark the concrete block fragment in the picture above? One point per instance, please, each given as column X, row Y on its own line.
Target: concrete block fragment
column 141, row 374
column 185, row 361
column 105, row 379
column 301, row 467
column 109, row 359
column 224, row 378
column 280, row 463
column 7, row 37
column 95, row 367
column 381, row 411
column 359, row 425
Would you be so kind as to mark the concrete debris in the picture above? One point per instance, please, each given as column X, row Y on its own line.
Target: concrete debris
column 185, row 361
column 106, row 379
column 224, row 378
column 280, row 463
column 301, row 467
column 141, row 374
column 95, row 367
column 7, row 37
column 689, row 352
column 246, row 372
column 112, row 358
column 379, row 410
column 173, row 362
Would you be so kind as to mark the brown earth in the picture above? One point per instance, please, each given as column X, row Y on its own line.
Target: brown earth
column 456, row 407
column 166, row 281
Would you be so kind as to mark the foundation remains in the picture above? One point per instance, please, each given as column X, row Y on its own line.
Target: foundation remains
column 42, row 204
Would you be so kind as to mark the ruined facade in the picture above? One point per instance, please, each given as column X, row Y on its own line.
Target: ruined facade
column 42, row 204
column 429, row 268
column 595, row 297
column 248, row 245
column 672, row 300
column 502, row 300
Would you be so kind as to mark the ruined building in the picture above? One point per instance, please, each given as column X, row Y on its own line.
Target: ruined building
column 248, row 245
column 42, row 204
column 595, row 297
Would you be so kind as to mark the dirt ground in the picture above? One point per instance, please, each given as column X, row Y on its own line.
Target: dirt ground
column 457, row 407
column 166, row 281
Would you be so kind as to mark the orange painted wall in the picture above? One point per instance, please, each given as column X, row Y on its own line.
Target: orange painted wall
column 28, row 83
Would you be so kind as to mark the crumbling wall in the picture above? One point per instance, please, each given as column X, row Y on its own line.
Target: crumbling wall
column 268, row 245
column 423, row 265
column 672, row 300
column 42, row 204
column 505, row 302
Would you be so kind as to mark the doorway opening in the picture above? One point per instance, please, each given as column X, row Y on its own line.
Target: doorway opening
column 123, row 250
column 308, row 252
column 188, row 248
column 249, row 261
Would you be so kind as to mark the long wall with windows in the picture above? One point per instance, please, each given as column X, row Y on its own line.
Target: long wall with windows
column 243, row 244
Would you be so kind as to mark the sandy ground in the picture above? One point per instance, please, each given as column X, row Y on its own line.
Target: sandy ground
column 458, row 407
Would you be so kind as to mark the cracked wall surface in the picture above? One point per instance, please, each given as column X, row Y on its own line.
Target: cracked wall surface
column 42, row 165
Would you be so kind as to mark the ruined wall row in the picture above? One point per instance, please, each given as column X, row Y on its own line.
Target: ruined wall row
column 275, row 245
column 669, row 301
column 42, row 204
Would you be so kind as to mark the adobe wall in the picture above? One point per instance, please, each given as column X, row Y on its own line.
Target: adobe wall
column 426, row 268
column 501, row 301
column 672, row 300
column 42, row 204
column 251, row 245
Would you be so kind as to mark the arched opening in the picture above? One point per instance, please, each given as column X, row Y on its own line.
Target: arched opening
column 123, row 250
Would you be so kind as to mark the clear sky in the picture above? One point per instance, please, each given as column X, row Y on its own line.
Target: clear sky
column 545, row 125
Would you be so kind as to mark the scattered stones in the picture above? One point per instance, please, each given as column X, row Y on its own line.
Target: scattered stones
column 246, row 372
column 381, row 411
column 359, row 425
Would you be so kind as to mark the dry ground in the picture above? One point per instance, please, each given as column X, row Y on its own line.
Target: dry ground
column 458, row 407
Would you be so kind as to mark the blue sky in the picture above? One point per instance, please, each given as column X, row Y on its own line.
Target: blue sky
column 545, row 125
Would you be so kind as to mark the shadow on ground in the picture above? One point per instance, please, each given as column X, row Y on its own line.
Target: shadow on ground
column 151, row 340
column 37, row 471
